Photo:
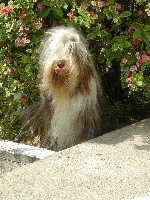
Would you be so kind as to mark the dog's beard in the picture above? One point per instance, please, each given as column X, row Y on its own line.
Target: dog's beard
column 59, row 73
column 63, row 78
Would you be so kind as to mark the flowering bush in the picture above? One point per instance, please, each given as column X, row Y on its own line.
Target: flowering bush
column 119, row 37
column 119, row 34
column 19, row 36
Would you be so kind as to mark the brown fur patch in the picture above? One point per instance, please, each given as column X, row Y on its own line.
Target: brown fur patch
column 37, row 119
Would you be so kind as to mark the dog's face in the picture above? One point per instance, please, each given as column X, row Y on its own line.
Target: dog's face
column 65, row 60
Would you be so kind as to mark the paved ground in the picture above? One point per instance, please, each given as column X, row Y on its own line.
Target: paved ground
column 115, row 166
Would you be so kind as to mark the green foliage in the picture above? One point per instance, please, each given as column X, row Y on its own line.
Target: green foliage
column 119, row 38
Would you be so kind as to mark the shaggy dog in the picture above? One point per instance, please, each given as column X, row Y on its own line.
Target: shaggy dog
column 73, row 105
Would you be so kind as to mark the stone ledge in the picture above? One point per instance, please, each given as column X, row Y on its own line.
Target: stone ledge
column 13, row 155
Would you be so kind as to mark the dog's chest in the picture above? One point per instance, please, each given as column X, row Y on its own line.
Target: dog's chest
column 64, row 126
column 65, row 123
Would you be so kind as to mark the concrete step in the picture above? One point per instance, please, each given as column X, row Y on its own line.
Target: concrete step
column 14, row 155
column 115, row 166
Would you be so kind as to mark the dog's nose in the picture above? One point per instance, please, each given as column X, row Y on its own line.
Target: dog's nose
column 61, row 63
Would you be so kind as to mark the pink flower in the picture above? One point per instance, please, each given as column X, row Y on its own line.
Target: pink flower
column 16, row 139
column 148, row 88
column 148, row 13
column 23, row 28
column 17, row 81
column 142, row 60
column 9, row 8
column 83, row 6
column 118, row 6
column 117, row 13
column 145, row 57
column 70, row 16
column 4, row 13
column 132, row 48
column 32, row 85
column 131, row 30
column 137, row 41
column 126, row 74
column 93, row 3
column 1, row 85
column 139, row 62
column 23, row 100
column 133, row 68
column 21, row 41
column 93, row 15
column 7, row 71
column 128, row 81
column 14, row 20
column 7, row 60
column 140, row 12
column 143, row 52
column 40, row 7
column 39, row 26
column 138, row 55
column 124, row 61
column 101, row 4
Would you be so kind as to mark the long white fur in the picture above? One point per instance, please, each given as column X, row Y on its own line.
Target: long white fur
column 64, row 128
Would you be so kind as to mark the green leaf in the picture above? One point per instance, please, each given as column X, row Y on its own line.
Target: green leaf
column 136, row 34
column 90, row 36
column 143, row 67
column 83, row 13
column 102, row 33
column 115, row 38
column 148, row 48
column 25, row 59
column 144, row 37
column 136, row 25
column 146, row 28
column 139, row 83
column 97, row 29
column 45, row 12
column 57, row 12
column 112, row 9
column 65, row 6
column 126, row 44
column 115, row 47
column 108, row 15
column 116, row 19
column 46, row 3
column 3, row 37
column 125, row 14
column 28, row 68
column 87, row 23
